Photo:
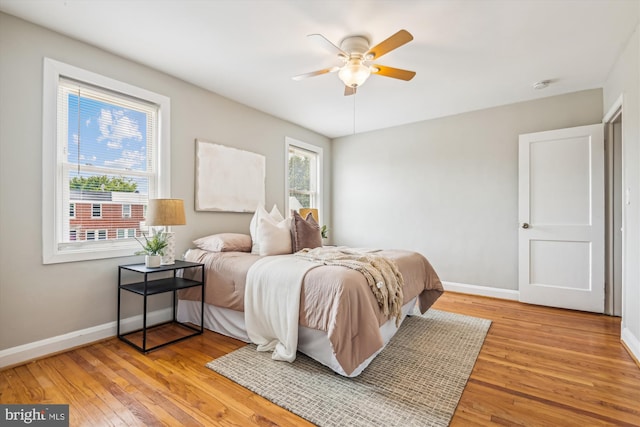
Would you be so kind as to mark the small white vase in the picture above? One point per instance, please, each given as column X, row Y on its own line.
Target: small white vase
column 152, row 261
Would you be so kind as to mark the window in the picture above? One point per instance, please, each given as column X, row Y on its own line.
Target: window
column 96, row 234
column 124, row 233
column 96, row 210
column 304, row 166
column 105, row 150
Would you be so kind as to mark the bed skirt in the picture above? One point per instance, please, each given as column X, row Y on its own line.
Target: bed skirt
column 312, row 342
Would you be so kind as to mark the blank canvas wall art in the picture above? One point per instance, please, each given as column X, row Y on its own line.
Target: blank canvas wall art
column 228, row 179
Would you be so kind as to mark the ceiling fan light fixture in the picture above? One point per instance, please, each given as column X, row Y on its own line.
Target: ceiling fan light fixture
column 354, row 73
column 356, row 56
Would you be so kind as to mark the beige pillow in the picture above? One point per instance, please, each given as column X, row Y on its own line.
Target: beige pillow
column 225, row 242
column 275, row 216
column 305, row 232
column 274, row 238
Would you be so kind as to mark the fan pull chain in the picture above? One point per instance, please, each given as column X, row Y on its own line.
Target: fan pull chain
column 354, row 113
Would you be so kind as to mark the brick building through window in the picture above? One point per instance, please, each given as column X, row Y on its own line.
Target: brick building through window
column 106, row 215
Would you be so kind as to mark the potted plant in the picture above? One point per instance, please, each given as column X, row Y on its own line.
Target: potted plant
column 153, row 249
column 324, row 233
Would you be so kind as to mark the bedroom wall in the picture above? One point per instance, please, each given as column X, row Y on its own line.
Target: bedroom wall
column 39, row 301
column 624, row 80
column 447, row 188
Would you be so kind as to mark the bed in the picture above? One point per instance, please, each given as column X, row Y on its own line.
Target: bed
column 341, row 324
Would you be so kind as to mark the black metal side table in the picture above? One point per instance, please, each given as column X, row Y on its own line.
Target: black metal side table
column 149, row 287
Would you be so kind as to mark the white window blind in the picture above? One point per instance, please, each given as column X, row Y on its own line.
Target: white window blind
column 107, row 164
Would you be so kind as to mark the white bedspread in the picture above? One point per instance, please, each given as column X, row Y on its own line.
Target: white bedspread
column 272, row 304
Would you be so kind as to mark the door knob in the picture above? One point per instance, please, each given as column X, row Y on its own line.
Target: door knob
column 525, row 225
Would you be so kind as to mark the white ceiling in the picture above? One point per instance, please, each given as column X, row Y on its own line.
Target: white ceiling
column 468, row 55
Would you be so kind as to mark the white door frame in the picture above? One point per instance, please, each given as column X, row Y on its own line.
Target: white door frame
column 615, row 111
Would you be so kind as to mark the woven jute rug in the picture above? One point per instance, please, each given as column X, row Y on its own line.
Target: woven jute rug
column 417, row 380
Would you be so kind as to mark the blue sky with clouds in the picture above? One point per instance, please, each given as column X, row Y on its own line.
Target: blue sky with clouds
column 109, row 136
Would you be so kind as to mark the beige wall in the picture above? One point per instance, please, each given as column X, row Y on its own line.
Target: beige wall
column 41, row 301
column 447, row 188
column 624, row 80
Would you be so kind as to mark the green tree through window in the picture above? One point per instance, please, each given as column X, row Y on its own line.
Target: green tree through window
column 102, row 183
column 300, row 178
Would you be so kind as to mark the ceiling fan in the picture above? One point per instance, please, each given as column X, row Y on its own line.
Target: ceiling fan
column 357, row 57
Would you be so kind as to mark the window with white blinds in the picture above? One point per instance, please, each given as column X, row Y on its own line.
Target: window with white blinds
column 104, row 156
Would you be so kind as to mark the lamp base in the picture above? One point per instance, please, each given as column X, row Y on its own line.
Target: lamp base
column 169, row 257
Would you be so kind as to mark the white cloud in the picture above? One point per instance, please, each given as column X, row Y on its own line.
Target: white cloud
column 130, row 160
column 115, row 126
column 88, row 159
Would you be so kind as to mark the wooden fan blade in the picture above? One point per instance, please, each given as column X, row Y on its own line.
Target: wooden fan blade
column 396, row 73
column 393, row 42
column 315, row 73
column 348, row 90
column 325, row 43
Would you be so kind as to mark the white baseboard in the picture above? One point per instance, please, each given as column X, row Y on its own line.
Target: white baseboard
column 631, row 342
column 24, row 353
column 484, row 291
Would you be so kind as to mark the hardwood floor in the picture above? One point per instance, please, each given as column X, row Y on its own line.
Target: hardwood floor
column 538, row 367
column 545, row 366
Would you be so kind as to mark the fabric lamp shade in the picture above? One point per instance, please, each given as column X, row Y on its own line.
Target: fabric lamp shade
column 305, row 211
column 165, row 212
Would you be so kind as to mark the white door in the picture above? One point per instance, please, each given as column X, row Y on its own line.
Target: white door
column 561, row 215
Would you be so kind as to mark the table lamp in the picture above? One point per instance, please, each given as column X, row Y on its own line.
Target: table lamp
column 314, row 212
column 166, row 212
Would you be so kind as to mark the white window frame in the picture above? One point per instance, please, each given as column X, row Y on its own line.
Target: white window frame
column 291, row 142
column 125, row 233
column 126, row 213
column 52, row 153
column 96, row 234
column 93, row 210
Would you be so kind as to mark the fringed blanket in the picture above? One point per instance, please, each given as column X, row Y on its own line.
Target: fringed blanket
column 382, row 274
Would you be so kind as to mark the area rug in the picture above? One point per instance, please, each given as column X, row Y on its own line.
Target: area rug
column 417, row 380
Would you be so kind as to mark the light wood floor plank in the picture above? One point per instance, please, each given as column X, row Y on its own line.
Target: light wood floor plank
column 538, row 366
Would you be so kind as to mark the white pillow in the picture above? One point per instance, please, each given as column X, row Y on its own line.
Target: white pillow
column 275, row 216
column 274, row 238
